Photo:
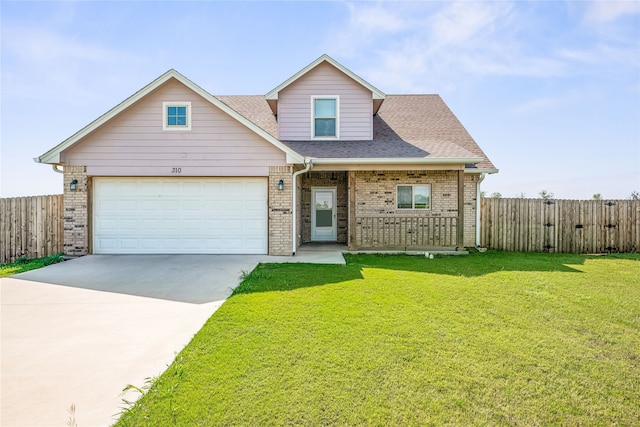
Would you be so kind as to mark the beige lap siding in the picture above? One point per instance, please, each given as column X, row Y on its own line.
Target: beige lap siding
column 76, row 211
column 280, row 211
column 134, row 143
column 376, row 195
column 355, row 115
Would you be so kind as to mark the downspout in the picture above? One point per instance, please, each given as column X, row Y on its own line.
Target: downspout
column 308, row 166
column 478, row 219
column 55, row 168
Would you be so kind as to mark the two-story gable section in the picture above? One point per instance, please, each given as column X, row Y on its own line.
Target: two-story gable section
column 325, row 102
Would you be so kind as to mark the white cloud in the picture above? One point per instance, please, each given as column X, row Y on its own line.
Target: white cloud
column 41, row 47
column 40, row 64
column 463, row 22
column 375, row 19
column 447, row 43
column 539, row 104
column 366, row 24
column 580, row 55
column 602, row 12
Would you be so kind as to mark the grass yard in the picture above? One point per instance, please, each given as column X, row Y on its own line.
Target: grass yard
column 487, row 339
column 25, row 264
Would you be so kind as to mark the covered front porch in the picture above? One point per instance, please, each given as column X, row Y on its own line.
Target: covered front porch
column 358, row 209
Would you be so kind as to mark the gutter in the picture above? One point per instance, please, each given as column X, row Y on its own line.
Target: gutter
column 308, row 166
column 397, row 161
column 478, row 224
column 482, row 171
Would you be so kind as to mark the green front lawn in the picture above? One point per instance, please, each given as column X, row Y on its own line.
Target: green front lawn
column 485, row 339
column 25, row 264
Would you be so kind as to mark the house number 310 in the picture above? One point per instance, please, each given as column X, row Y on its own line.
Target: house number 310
column 176, row 170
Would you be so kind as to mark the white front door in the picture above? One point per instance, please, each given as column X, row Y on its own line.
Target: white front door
column 323, row 214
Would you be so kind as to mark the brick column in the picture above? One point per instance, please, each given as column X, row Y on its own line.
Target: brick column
column 76, row 211
column 470, row 203
column 460, row 225
column 280, row 211
column 351, row 227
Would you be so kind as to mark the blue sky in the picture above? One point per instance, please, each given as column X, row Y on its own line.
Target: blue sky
column 550, row 90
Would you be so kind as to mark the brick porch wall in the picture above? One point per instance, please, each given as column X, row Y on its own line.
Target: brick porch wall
column 76, row 212
column 325, row 179
column 376, row 195
column 470, row 204
column 280, row 210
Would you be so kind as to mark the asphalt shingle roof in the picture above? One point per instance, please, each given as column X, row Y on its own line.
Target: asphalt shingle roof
column 405, row 126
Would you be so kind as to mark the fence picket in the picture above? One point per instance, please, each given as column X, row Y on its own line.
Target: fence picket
column 577, row 226
column 31, row 226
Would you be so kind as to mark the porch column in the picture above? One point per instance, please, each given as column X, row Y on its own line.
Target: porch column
column 280, row 210
column 76, row 211
column 351, row 222
column 460, row 226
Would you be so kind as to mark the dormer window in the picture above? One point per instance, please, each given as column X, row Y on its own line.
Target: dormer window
column 176, row 115
column 325, row 117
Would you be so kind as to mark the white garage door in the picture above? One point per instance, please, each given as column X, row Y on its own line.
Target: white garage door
column 180, row 216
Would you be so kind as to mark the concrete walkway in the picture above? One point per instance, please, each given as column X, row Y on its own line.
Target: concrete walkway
column 78, row 332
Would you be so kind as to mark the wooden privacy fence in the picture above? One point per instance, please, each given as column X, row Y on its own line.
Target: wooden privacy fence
column 575, row 226
column 31, row 227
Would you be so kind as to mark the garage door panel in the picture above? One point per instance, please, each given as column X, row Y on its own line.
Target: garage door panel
column 108, row 244
column 180, row 215
column 129, row 244
column 255, row 225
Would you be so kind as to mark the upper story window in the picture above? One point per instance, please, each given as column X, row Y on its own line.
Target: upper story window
column 176, row 116
column 414, row 196
column 325, row 117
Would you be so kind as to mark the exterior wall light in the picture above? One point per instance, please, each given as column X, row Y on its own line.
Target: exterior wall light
column 281, row 185
column 73, row 185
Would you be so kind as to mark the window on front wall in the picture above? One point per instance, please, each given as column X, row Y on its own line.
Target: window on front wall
column 417, row 196
column 176, row 115
column 325, row 116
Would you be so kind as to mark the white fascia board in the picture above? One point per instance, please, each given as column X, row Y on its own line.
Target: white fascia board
column 397, row 161
column 376, row 93
column 53, row 155
column 479, row 170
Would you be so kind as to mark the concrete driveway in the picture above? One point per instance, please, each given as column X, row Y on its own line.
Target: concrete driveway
column 78, row 332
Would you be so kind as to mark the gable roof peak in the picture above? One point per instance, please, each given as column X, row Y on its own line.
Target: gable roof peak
column 376, row 93
column 53, row 155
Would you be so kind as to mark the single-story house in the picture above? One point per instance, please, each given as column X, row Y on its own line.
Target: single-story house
column 323, row 157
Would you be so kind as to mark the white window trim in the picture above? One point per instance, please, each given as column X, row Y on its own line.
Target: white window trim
column 313, row 117
column 412, row 208
column 165, row 106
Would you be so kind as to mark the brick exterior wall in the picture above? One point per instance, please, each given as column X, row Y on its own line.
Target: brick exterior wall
column 470, row 205
column 376, row 195
column 325, row 179
column 280, row 210
column 76, row 212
